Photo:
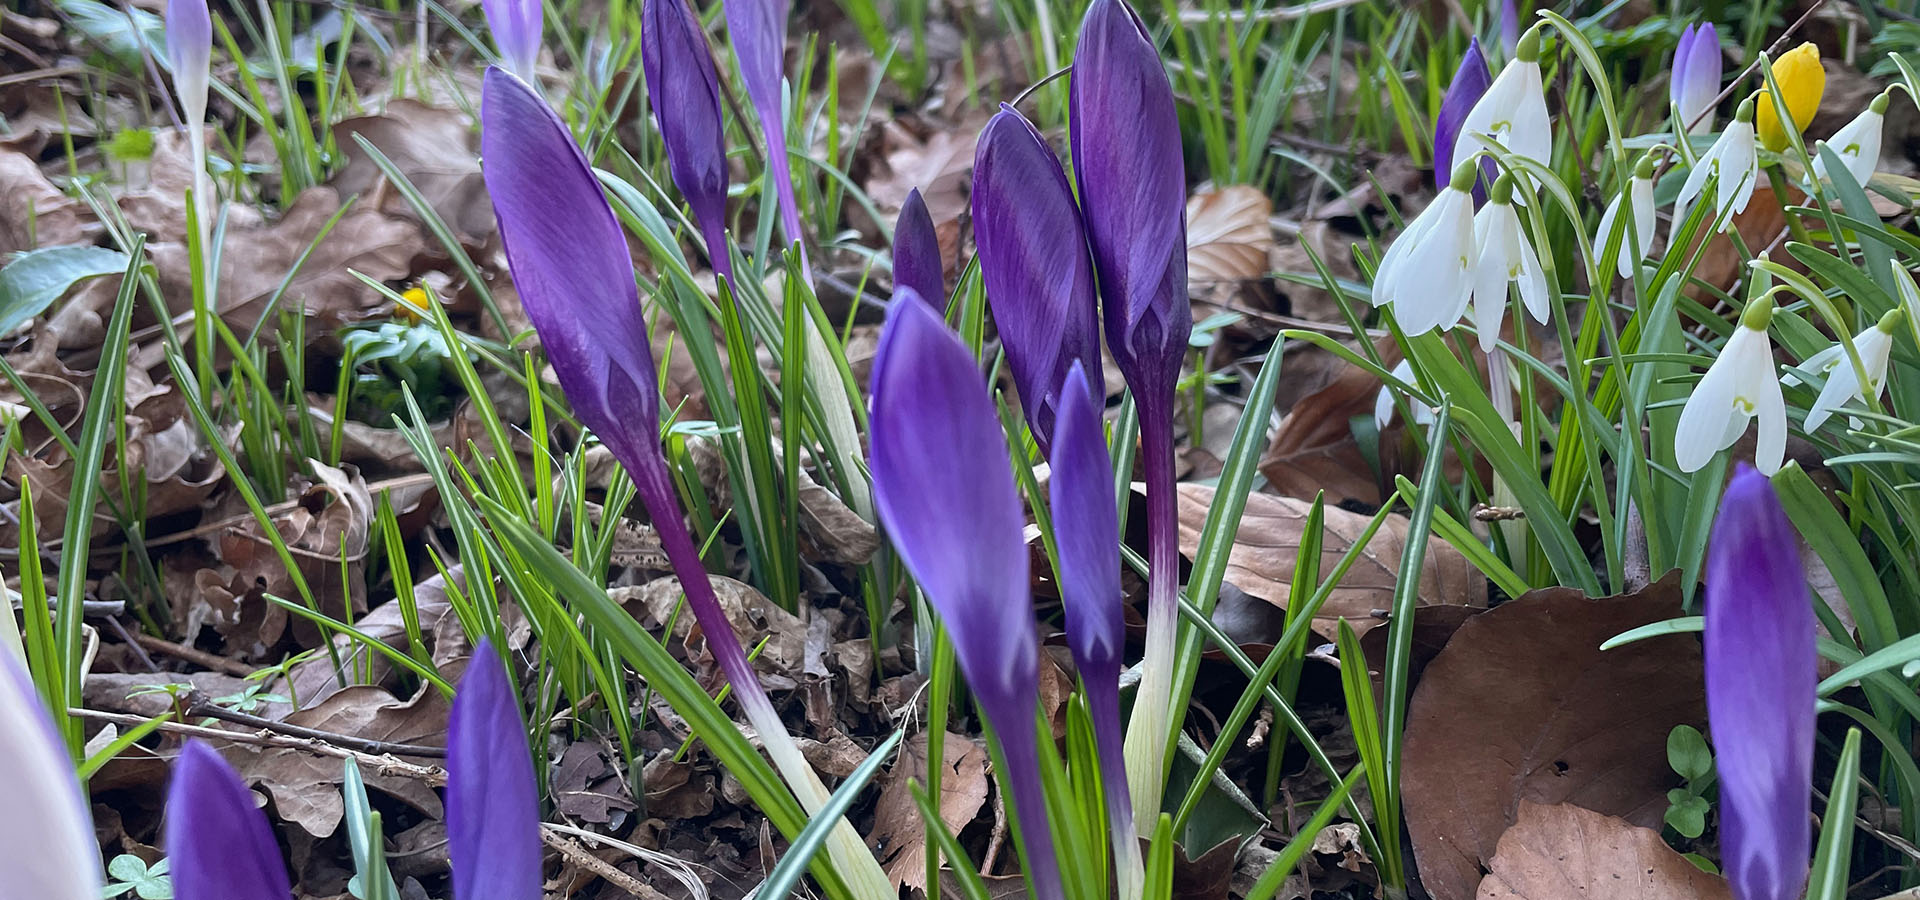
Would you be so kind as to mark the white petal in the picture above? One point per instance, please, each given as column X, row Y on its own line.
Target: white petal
column 1383, row 408
column 1604, row 233
column 1644, row 220
column 1858, row 145
column 47, row 848
column 1821, row 362
column 1703, row 168
column 1439, row 267
column 1533, row 282
column 1875, row 348
column 1739, row 170
column 1489, row 277
column 1704, row 420
column 1842, row 387
column 1393, row 266
column 1532, row 129
column 1771, row 449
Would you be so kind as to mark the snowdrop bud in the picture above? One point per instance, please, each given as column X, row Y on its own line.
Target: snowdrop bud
column 1639, row 192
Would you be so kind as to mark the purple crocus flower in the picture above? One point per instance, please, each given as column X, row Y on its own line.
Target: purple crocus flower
column 1760, row 666
column 219, row 843
column 516, row 27
column 189, row 52
column 1033, row 263
column 758, row 30
column 944, row 489
column 685, row 93
column 1126, row 154
column 1086, row 529
column 47, row 848
column 916, row 252
column 493, row 806
column 569, row 261
column 1695, row 80
column 1469, row 84
column 1509, row 26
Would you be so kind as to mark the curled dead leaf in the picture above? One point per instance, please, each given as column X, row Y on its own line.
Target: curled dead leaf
column 1228, row 239
column 1563, row 852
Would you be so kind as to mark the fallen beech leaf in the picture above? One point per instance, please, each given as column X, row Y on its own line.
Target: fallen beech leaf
column 899, row 833
column 1315, row 449
column 938, row 166
column 1522, row 705
column 435, row 148
column 34, row 213
column 1563, row 852
column 1261, row 561
column 1228, row 238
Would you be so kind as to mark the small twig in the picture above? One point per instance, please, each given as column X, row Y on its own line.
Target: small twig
column 573, row 853
column 198, row 707
column 201, row 658
column 433, row 776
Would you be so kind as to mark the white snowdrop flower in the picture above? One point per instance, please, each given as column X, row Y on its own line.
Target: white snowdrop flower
column 1874, row 345
column 1383, row 404
column 1513, row 111
column 1426, row 274
column 1504, row 257
column 1742, row 384
column 1857, row 143
column 1639, row 192
column 1735, row 158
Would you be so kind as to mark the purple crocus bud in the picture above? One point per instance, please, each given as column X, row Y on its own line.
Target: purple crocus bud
column 1033, row 263
column 1761, row 668
column 1086, row 529
column 1469, row 84
column 219, row 843
column 944, row 489
column 493, row 812
column 1509, row 26
column 916, row 252
column 685, row 92
column 758, row 30
column 569, row 261
column 1695, row 80
column 47, row 848
column 516, row 27
column 189, row 53
column 1126, row 154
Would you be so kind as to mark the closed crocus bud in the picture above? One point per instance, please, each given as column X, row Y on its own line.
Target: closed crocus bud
column 1695, row 80
column 758, row 30
column 944, row 488
column 685, row 92
column 916, row 252
column 493, row 812
column 516, row 27
column 1126, row 155
column 1033, row 263
column 1469, row 84
column 189, row 53
column 1509, row 26
column 219, row 843
column 1760, row 668
column 1802, row 82
column 47, row 848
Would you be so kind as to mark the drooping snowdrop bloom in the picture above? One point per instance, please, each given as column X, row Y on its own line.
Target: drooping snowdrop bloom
column 1469, row 84
column 1639, row 193
column 1695, row 81
column 1857, row 142
column 1734, row 160
column 1427, row 275
column 1802, row 82
column 1761, row 670
column 1514, row 110
column 1383, row 404
column 1875, row 346
column 47, row 849
column 1742, row 384
column 1505, row 257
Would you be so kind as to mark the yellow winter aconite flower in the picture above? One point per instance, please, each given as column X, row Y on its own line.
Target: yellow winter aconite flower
column 1802, row 81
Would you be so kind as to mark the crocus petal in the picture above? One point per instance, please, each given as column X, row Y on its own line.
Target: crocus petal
column 218, row 842
column 1469, row 84
column 493, row 812
column 916, row 251
column 516, row 27
column 1033, row 263
column 1126, row 155
column 685, row 92
column 944, row 488
column 47, row 847
column 1696, row 76
column 189, row 52
column 1509, row 26
column 1760, row 673
column 758, row 30
column 569, row 262
column 1087, row 529
column 1802, row 82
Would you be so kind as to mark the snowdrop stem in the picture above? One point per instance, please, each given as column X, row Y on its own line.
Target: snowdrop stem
column 1778, row 181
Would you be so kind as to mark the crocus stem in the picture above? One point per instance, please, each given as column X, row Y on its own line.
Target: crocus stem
column 782, row 170
column 851, row 858
column 1103, row 702
column 202, row 191
column 1019, row 747
column 1147, row 738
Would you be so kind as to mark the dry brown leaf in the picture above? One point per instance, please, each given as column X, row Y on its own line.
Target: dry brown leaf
column 1315, row 449
column 1228, row 238
column 435, row 149
column 1523, row 705
column 34, row 213
column 1262, row 559
column 899, row 833
column 751, row 613
column 938, row 166
column 1563, row 852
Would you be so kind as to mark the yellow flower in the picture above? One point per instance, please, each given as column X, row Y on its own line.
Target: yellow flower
column 417, row 299
column 1802, row 81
